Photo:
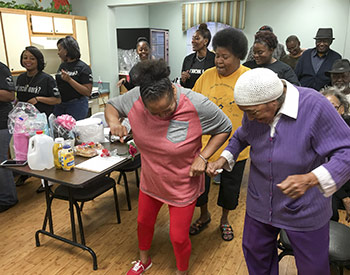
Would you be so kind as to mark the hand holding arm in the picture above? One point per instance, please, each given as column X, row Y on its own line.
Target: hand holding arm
column 295, row 186
column 213, row 166
column 199, row 165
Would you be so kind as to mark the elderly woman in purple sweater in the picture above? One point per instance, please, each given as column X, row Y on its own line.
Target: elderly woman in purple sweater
column 291, row 131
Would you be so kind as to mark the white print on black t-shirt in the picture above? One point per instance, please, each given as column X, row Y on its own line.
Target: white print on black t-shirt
column 69, row 73
column 196, row 71
column 32, row 90
column 9, row 80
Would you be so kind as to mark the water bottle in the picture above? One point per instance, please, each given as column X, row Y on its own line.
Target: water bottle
column 40, row 155
column 99, row 85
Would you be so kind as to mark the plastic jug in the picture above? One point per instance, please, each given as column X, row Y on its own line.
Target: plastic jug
column 40, row 155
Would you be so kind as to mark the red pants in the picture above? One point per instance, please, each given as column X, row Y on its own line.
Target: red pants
column 180, row 221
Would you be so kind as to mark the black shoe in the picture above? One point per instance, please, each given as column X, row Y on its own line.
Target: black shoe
column 40, row 189
column 21, row 180
column 5, row 207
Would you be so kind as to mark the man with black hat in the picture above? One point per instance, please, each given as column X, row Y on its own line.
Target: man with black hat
column 278, row 53
column 314, row 62
column 340, row 76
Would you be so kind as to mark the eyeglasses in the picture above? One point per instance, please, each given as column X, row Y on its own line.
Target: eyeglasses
column 337, row 107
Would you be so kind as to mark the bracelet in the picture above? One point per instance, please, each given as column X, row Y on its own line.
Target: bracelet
column 203, row 158
column 36, row 100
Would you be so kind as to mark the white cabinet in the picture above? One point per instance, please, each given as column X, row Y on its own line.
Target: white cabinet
column 51, row 25
column 16, row 36
column 63, row 25
column 83, row 39
column 3, row 58
column 41, row 24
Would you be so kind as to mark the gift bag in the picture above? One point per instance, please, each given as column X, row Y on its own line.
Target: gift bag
column 23, row 122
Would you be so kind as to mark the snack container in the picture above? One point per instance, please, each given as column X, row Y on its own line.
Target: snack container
column 66, row 157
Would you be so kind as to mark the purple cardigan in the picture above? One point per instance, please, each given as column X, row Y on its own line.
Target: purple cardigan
column 299, row 146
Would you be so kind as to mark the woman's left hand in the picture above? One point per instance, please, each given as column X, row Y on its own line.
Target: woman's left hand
column 198, row 167
column 296, row 185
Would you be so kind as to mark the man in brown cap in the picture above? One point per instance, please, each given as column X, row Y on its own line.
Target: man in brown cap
column 314, row 62
column 340, row 76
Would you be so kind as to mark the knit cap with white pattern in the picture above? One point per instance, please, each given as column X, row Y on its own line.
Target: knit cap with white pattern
column 257, row 86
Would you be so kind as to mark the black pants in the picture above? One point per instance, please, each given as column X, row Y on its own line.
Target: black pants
column 230, row 186
column 337, row 200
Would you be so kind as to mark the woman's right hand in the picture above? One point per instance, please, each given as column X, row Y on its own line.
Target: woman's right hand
column 212, row 167
column 185, row 75
column 120, row 82
column 118, row 130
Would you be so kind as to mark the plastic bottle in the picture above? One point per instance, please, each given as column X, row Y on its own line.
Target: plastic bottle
column 56, row 148
column 20, row 139
column 99, row 85
column 40, row 155
column 66, row 157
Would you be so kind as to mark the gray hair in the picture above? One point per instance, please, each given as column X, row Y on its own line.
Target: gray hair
column 335, row 91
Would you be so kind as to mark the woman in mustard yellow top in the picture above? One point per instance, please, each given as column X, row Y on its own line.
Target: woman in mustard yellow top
column 217, row 83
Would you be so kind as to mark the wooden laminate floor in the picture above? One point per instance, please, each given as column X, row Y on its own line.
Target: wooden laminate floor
column 115, row 244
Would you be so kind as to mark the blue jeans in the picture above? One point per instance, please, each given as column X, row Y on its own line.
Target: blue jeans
column 77, row 108
column 8, row 193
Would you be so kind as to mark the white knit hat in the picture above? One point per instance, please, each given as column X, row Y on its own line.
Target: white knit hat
column 257, row 86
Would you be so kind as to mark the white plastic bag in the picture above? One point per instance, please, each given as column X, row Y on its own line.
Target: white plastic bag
column 89, row 129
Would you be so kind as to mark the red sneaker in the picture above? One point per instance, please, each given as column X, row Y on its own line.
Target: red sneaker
column 139, row 267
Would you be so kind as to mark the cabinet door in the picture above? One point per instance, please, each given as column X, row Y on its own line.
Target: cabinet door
column 63, row 25
column 3, row 58
column 41, row 24
column 16, row 38
column 83, row 39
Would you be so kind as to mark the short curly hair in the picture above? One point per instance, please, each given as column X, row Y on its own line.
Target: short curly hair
column 37, row 54
column 267, row 38
column 234, row 40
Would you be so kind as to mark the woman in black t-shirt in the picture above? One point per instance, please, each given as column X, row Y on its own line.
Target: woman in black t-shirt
column 36, row 86
column 8, row 193
column 74, row 80
column 143, row 50
column 264, row 45
column 196, row 63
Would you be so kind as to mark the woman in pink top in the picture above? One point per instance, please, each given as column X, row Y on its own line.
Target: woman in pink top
column 168, row 122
